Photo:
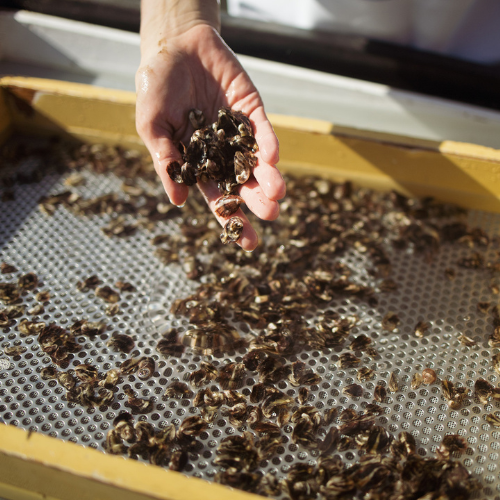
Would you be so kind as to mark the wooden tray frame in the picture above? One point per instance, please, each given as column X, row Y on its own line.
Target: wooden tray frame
column 34, row 466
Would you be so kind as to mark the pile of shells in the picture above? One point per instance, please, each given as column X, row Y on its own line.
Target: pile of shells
column 222, row 152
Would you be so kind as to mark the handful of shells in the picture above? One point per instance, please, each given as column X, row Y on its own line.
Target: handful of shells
column 223, row 152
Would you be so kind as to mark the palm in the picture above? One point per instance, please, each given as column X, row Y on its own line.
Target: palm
column 197, row 70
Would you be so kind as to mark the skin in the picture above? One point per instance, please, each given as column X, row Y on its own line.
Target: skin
column 185, row 64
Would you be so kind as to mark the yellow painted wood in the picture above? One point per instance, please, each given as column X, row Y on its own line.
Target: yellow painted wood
column 49, row 467
column 53, row 107
column 325, row 128
column 9, row 492
column 68, row 88
column 466, row 174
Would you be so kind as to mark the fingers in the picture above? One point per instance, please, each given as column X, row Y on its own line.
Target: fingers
column 270, row 179
column 249, row 239
column 266, row 138
column 258, row 202
column 163, row 152
column 266, row 173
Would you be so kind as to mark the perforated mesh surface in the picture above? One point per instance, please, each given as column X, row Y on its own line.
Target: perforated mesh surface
column 64, row 249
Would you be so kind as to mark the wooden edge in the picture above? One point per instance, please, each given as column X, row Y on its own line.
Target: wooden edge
column 292, row 122
column 33, row 465
column 68, row 88
column 446, row 147
column 465, row 174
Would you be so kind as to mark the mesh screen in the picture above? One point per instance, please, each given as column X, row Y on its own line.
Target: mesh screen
column 64, row 249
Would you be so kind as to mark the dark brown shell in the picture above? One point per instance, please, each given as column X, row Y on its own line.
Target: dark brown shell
column 188, row 174
column 242, row 167
column 197, row 118
column 428, row 376
column 107, row 294
column 9, row 292
column 379, row 393
column 393, row 382
column 121, row 342
column 28, row 281
column 232, row 230
column 7, row 268
column 228, row 205
column 146, row 368
column 174, row 172
column 353, row 390
column 86, row 372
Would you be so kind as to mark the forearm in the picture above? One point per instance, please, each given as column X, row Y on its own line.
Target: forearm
column 163, row 19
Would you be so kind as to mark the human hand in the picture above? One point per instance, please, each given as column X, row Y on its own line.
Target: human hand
column 195, row 69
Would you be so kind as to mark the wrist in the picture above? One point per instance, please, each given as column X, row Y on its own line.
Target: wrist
column 162, row 20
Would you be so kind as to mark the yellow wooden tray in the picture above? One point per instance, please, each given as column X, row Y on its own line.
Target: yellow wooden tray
column 37, row 466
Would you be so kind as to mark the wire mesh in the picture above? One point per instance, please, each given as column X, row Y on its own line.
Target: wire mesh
column 64, row 249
